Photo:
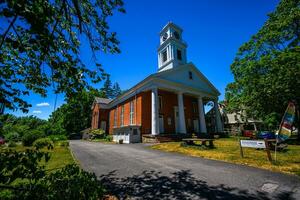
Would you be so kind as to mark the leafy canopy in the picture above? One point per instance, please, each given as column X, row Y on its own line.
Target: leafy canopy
column 40, row 43
column 76, row 114
column 267, row 68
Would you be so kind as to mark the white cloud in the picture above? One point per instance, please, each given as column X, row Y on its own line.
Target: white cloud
column 37, row 112
column 42, row 104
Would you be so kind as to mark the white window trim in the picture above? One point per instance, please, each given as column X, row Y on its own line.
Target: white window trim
column 160, row 104
column 115, row 117
column 131, row 113
column 194, row 105
column 122, row 115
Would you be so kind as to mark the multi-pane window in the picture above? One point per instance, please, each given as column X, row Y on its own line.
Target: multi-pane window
column 115, row 117
column 179, row 56
column 190, row 75
column 122, row 115
column 194, row 107
column 131, row 112
column 159, row 102
column 164, row 56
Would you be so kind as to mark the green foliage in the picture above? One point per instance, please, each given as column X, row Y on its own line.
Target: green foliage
column 111, row 91
column 77, row 184
column 97, row 134
column 12, row 144
column 43, row 142
column 15, row 127
column 30, row 136
column 267, row 68
column 33, row 182
column 76, row 114
column 21, row 165
column 107, row 87
column 12, row 136
column 56, row 138
column 62, row 143
column 108, row 138
column 40, row 46
column 116, row 90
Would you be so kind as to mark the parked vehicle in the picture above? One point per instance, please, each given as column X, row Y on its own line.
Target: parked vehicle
column 249, row 133
column 266, row 135
column 2, row 140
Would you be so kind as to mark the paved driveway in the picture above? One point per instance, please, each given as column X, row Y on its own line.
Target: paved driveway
column 136, row 172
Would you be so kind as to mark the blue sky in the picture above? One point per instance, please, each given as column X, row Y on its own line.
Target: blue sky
column 213, row 30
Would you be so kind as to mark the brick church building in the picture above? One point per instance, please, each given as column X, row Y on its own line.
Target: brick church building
column 170, row 101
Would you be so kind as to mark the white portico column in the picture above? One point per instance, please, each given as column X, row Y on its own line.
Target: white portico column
column 182, row 128
column 201, row 116
column 219, row 126
column 154, row 112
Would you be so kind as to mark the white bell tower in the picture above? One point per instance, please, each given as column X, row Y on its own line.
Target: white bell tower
column 172, row 49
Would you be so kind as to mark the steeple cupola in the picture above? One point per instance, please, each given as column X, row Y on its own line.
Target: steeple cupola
column 172, row 49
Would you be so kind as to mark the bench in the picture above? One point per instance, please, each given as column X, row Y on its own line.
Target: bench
column 272, row 144
column 191, row 141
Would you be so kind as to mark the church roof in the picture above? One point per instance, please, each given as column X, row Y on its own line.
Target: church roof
column 102, row 100
column 155, row 77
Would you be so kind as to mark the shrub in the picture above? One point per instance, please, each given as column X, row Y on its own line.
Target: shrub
column 30, row 136
column 56, row 138
column 77, row 183
column 108, row 138
column 70, row 182
column 11, row 144
column 43, row 142
column 97, row 133
column 12, row 136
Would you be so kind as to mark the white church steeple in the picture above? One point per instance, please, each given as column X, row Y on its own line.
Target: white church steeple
column 172, row 49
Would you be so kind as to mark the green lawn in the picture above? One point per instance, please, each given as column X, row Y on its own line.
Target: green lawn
column 60, row 156
column 227, row 149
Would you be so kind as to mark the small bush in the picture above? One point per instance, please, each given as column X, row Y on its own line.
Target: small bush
column 97, row 133
column 11, row 144
column 76, row 183
column 43, row 142
column 56, row 138
column 108, row 138
column 30, row 136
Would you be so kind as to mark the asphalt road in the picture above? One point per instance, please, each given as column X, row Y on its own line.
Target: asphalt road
column 136, row 172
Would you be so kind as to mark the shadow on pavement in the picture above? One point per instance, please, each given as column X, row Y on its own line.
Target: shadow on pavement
column 180, row 185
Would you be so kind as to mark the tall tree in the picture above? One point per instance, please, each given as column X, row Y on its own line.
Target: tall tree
column 40, row 46
column 107, row 88
column 116, row 90
column 76, row 114
column 267, row 68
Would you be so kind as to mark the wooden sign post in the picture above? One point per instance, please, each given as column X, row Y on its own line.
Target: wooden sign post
column 257, row 144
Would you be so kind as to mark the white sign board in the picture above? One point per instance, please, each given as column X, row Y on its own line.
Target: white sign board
column 257, row 144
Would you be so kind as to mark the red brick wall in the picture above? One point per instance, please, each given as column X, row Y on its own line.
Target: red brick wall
column 169, row 101
column 146, row 112
column 111, row 119
column 95, row 117
column 137, row 112
column 142, row 112
column 99, row 115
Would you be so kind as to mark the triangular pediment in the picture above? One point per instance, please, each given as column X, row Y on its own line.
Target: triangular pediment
column 182, row 75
